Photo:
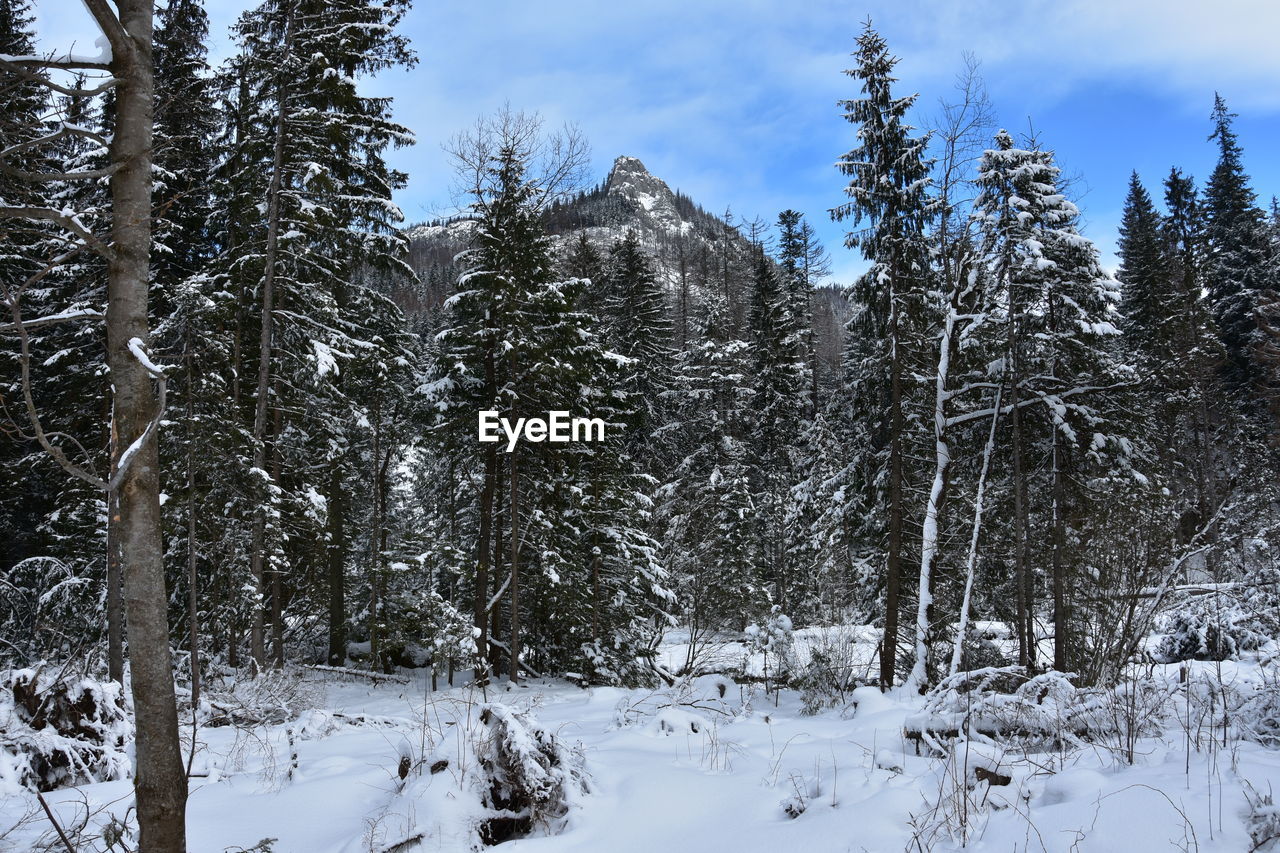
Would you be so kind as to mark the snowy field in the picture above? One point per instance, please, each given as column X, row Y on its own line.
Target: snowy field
column 339, row 765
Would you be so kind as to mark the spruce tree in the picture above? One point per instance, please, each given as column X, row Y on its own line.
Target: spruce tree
column 887, row 191
column 778, row 405
column 639, row 322
column 1236, row 253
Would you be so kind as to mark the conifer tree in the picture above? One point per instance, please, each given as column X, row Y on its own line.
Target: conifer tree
column 314, row 148
column 639, row 323
column 778, row 379
column 887, row 190
column 1057, row 334
column 1236, row 253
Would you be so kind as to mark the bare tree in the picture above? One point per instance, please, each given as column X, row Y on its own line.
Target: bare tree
column 964, row 124
column 138, row 401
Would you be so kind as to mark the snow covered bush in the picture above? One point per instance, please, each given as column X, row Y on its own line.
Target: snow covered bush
column 270, row 699
column 980, row 650
column 1262, row 820
column 828, row 676
column 773, row 642
column 1212, row 628
column 997, row 703
column 707, row 696
column 450, row 637
column 530, row 780
column 58, row 731
column 1258, row 717
column 1046, row 711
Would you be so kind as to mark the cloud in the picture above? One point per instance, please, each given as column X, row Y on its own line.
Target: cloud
column 733, row 101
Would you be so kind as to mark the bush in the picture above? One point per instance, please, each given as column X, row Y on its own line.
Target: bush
column 60, row 731
column 1209, row 628
column 531, row 780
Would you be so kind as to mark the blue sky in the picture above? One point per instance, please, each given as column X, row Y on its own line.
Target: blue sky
column 734, row 101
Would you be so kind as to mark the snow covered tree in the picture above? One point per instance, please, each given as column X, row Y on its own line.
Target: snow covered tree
column 1236, row 253
column 778, row 405
column 804, row 262
column 638, row 318
column 133, row 477
column 312, row 150
column 887, row 190
column 1060, row 363
column 709, row 508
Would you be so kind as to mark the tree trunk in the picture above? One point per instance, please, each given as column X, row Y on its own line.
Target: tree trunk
column 336, row 569
column 893, row 564
column 160, row 780
column 277, row 586
column 515, row 567
column 500, row 546
column 258, row 545
column 1061, row 621
column 972, row 563
column 193, row 596
column 933, row 506
column 115, row 605
column 375, row 540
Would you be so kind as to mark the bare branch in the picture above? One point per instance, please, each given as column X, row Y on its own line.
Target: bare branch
column 50, row 177
column 55, row 319
column 64, row 130
column 27, row 73
column 107, row 21
column 33, row 416
column 66, row 221
column 62, row 63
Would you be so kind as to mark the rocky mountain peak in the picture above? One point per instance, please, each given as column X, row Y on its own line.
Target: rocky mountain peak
column 629, row 179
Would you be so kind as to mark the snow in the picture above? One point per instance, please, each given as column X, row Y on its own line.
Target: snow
column 708, row 764
column 139, row 350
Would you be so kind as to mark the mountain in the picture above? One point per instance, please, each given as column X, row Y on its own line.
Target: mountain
column 673, row 228
column 695, row 253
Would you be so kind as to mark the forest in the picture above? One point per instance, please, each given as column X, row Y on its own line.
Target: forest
column 991, row 530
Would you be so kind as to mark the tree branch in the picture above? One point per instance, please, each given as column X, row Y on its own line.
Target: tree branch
column 68, row 222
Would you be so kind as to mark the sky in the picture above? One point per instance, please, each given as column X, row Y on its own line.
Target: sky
column 735, row 101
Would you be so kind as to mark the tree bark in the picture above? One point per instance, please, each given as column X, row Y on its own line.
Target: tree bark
column 515, row 567
column 277, row 587
column 978, row 505
column 115, row 604
column 893, row 563
column 160, row 780
column 336, row 570
column 193, row 597
column 933, row 506
column 375, row 539
column 1021, row 569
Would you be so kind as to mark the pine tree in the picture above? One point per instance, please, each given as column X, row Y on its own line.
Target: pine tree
column 709, row 508
column 584, row 261
column 889, row 190
column 1236, row 253
column 1144, row 274
column 311, row 146
column 803, row 261
column 778, row 381
column 1058, row 354
column 639, row 323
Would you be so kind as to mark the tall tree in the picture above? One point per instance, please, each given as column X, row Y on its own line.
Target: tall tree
column 1236, row 252
column 887, row 190
column 138, row 398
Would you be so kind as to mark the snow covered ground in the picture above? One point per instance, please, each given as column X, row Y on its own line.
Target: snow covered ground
column 708, row 765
